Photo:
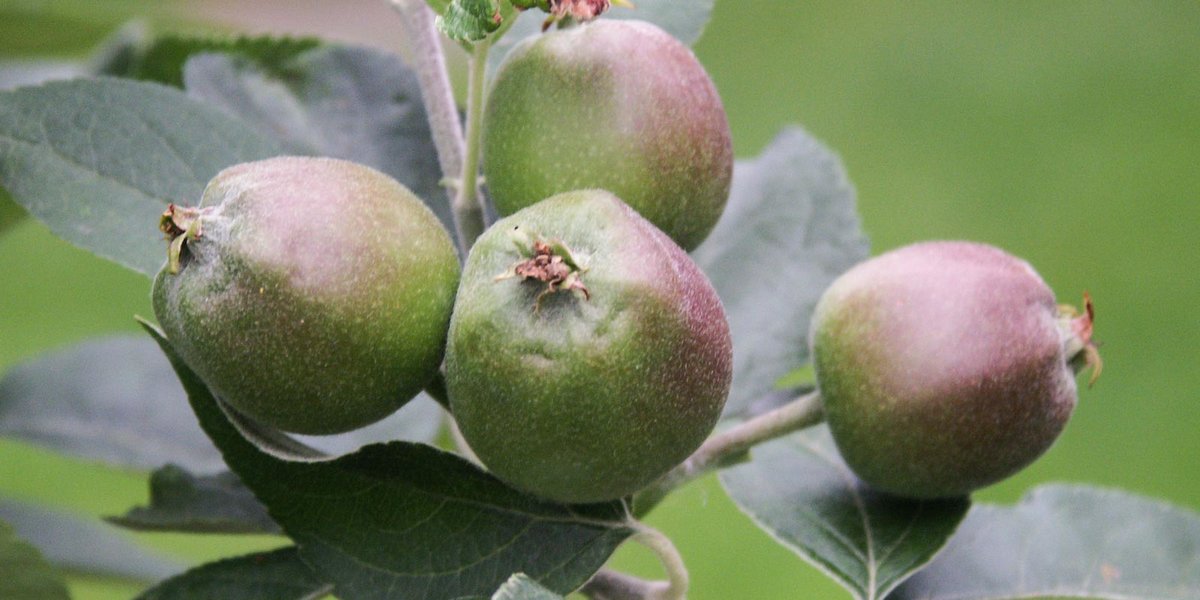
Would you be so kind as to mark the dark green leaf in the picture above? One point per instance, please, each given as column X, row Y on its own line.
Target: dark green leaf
column 405, row 520
column 163, row 60
column 24, row 574
column 352, row 103
column 798, row 489
column 469, row 20
column 683, row 19
column 181, row 501
column 73, row 543
column 789, row 229
column 1070, row 541
column 98, row 160
column 521, row 587
column 276, row 575
column 117, row 400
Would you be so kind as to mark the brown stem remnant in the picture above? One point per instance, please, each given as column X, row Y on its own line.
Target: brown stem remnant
column 178, row 224
column 552, row 263
column 1081, row 351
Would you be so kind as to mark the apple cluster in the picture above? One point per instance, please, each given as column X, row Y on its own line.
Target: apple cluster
column 584, row 353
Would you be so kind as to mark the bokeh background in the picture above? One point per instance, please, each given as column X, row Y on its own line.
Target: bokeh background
column 1067, row 132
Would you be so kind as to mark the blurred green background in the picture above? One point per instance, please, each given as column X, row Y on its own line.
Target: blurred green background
column 1065, row 132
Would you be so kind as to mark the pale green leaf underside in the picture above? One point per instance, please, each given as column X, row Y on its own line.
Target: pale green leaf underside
column 98, row 160
column 798, row 489
column 1067, row 541
column 24, row 574
column 408, row 521
column 71, row 542
column 112, row 399
column 352, row 103
column 117, row 400
column 276, row 575
column 521, row 587
column 789, row 229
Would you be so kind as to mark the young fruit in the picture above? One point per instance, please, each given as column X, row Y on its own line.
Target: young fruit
column 614, row 105
column 588, row 354
column 311, row 294
column 945, row 367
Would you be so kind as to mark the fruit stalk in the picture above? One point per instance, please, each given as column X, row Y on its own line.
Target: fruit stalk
column 612, row 585
column 468, row 207
column 731, row 445
column 442, row 111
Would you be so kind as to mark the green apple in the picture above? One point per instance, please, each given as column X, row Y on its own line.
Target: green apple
column 311, row 294
column 588, row 354
column 614, row 105
column 945, row 367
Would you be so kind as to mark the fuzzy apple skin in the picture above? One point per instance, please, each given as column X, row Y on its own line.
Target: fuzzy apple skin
column 585, row 400
column 942, row 368
column 614, row 105
column 317, row 297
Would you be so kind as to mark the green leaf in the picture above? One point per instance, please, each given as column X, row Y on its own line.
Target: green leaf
column 98, row 160
column 521, row 587
column 438, row 6
column 24, row 72
column 798, row 489
column 789, row 229
column 801, row 378
column 469, row 20
column 112, row 55
column 163, row 60
column 10, row 212
column 404, row 520
column 113, row 399
column 683, row 19
column 181, row 501
column 74, row 543
column 117, row 400
column 275, row 575
column 24, row 574
column 351, row 103
column 1069, row 541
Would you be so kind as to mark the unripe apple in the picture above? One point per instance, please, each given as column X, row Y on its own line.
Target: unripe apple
column 311, row 294
column 614, row 105
column 588, row 354
column 945, row 367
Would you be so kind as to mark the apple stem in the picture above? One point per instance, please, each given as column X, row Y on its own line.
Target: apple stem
column 468, row 204
column 677, row 574
column 607, row 584
column 731, row 446
column 611, row 585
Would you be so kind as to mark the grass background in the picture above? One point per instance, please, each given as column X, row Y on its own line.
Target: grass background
column 1065, row 132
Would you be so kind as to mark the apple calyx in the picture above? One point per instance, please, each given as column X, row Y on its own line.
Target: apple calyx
column 1077, row 327
column 549, row 261
column 179, row 225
